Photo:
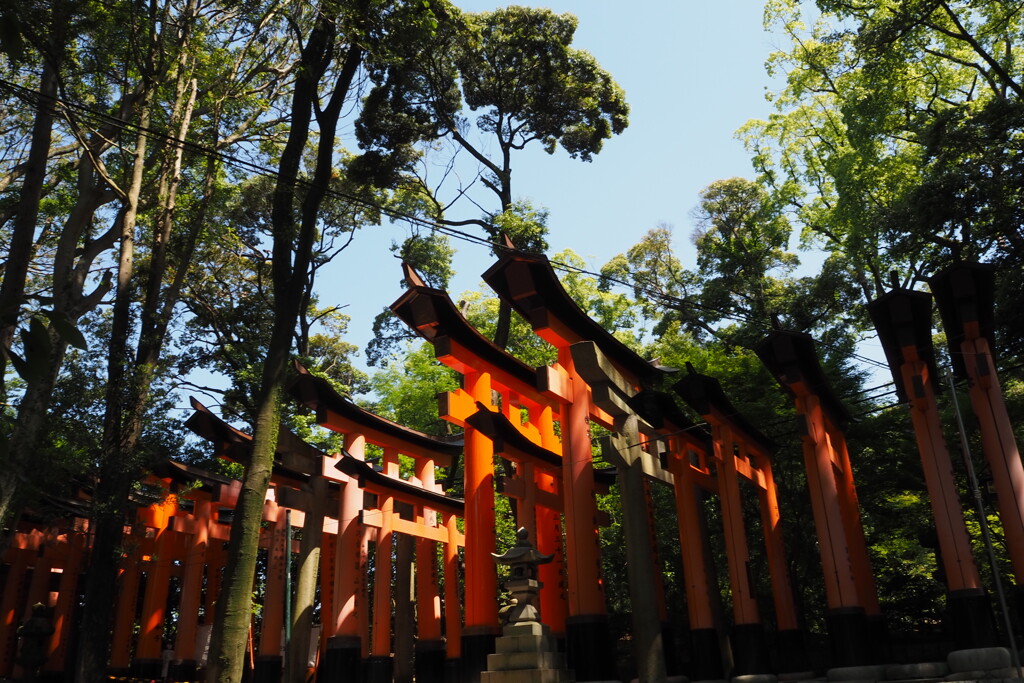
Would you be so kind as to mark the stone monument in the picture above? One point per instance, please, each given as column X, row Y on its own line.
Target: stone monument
column 526, row 652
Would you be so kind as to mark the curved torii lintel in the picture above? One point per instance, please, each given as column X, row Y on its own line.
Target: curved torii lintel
column 292, row 457
column 793, row 360
column 338, row 413
column 705, row 395
column 529, row 284
column 401, row 490
column 458, row 344
column 510, row 441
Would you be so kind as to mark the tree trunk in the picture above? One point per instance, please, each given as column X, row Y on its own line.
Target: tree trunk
column 19, row 255
column 110, row 499
column 290, row 279
column 305, row 589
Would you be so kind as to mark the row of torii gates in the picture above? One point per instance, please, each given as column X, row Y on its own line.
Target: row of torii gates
column 435, row 613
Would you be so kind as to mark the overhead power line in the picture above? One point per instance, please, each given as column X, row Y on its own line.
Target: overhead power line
column 34, row 97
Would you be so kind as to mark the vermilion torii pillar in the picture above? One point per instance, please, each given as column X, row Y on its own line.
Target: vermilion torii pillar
column 539, row 505
column 486, row 370
column 529, row 284
column 855, row 624
column 19, row 558
column 903, row 319
column 739, row 450
column 149, row 649
column 965, row 297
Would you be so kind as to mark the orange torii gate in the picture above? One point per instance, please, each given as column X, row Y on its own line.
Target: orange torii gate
column 740, row 450
column 687, row 449
column 43, row 566
column 486, row 369
column 964, row 294
column 903, row 319
column 347, row 650
column 529, row 284
column 855, row 623
column 297, row 497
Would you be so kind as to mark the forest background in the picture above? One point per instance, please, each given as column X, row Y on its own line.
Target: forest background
column 177, row 177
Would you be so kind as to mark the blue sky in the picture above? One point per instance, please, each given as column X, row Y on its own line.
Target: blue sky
column 693, row 73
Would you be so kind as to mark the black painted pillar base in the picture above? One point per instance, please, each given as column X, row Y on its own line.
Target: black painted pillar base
column 970, row 614
column 791, row 649
column 476, row 645
column 378, row 669
column 147, row 668
column 429, row 665
column 673, row 662
column 341, row 661
column 848, row 636
column 706, row 655
column 1016, row 600
column 879, row 643
column 53, row 677
column 589, row 648
column 748, row 650
column 268, row 669
column 183, row 671
column 452, row 670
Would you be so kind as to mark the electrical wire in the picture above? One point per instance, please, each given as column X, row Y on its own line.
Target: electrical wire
column 35, row 97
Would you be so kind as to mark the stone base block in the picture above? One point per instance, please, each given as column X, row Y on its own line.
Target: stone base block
column 902, row 672
column 870, row 672
column 978, row 659
column 755, row 678
column 506, row 661
column 1006, row 674
column 526, row 676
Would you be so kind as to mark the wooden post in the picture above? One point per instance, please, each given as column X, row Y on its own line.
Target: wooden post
column 847, row 616
column 997, row 441
column 380, row 664
column 747, row 629
column 790, row 645
column 149, row 652
column 430, row 653
column 707, row 656
column 481, row 591
column 268, row 654
column 344, row 648
column 452, row 609
column 10, row 616
column 57, row 662
column 553, row 602
column 192, row 588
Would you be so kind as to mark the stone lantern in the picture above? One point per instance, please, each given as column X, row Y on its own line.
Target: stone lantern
column 522, row 560
column 526, row 652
